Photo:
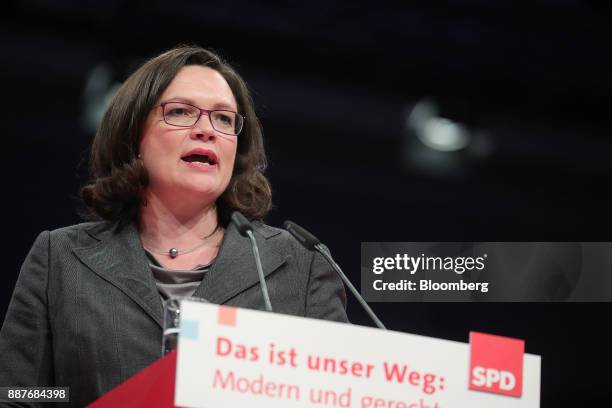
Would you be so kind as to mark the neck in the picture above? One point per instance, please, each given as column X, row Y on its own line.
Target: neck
column 168, row 224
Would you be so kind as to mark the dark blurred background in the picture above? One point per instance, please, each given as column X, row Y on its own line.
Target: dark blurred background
column 445, row 121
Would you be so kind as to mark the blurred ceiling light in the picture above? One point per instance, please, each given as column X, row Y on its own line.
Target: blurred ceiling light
column 444, row 135
column 435, row 132
column 99, row 90
column 441, row 146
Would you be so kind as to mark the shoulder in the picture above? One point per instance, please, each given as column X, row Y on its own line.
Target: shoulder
column 266, row 230
column 82, row 234
column 282, row 241
column 52, row 247
column 274, row 234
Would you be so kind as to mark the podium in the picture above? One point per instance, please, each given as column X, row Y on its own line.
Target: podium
column 230, row 357
column 151, row 387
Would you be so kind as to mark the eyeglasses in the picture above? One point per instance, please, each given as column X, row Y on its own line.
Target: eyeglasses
column 186, row 115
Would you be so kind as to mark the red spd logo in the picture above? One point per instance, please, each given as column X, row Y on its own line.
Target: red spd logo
column 496, row 364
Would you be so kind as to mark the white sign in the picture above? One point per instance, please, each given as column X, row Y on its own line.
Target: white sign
column 230, row 357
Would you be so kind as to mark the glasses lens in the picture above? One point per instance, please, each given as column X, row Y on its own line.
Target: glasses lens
column 226, row 122
column 180, row 114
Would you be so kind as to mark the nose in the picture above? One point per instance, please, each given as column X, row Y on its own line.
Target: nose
column 203, row 129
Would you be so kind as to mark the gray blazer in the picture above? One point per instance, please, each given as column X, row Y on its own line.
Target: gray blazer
column 86, row 313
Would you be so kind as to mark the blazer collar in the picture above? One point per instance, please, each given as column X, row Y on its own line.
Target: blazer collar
column 234, row 269
column 119, row 258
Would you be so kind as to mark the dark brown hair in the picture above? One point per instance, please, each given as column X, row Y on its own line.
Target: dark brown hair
column 118, row 177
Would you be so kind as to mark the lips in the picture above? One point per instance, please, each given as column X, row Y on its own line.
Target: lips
column 201, row 157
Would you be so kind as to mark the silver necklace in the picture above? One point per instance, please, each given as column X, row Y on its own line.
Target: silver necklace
column 174, row 252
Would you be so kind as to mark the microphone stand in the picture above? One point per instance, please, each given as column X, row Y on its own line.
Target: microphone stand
column 322, row 250
column 262, row 279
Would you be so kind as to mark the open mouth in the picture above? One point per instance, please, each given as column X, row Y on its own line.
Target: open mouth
column 200, row 158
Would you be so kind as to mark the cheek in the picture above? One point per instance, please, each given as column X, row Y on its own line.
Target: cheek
column 149, row 146
column 230, row 154
column 160, row 147
column 147, row 137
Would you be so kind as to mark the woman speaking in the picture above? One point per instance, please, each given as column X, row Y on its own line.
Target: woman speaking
column 178, row 150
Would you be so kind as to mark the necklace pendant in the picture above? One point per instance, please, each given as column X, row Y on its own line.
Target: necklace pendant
column 173, row 252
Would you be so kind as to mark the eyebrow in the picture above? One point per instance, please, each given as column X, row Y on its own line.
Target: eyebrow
column 216, row 105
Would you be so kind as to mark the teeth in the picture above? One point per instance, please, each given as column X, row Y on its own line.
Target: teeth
column 202, row 159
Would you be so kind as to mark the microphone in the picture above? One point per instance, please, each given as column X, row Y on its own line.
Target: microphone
column 246, row 230
column 304, row 237
column 312, row 243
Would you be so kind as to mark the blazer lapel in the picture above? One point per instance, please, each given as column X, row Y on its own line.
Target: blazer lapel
column 234, row 270
column 120, row 260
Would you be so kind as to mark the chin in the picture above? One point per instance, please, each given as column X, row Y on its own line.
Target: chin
column 201, row 191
